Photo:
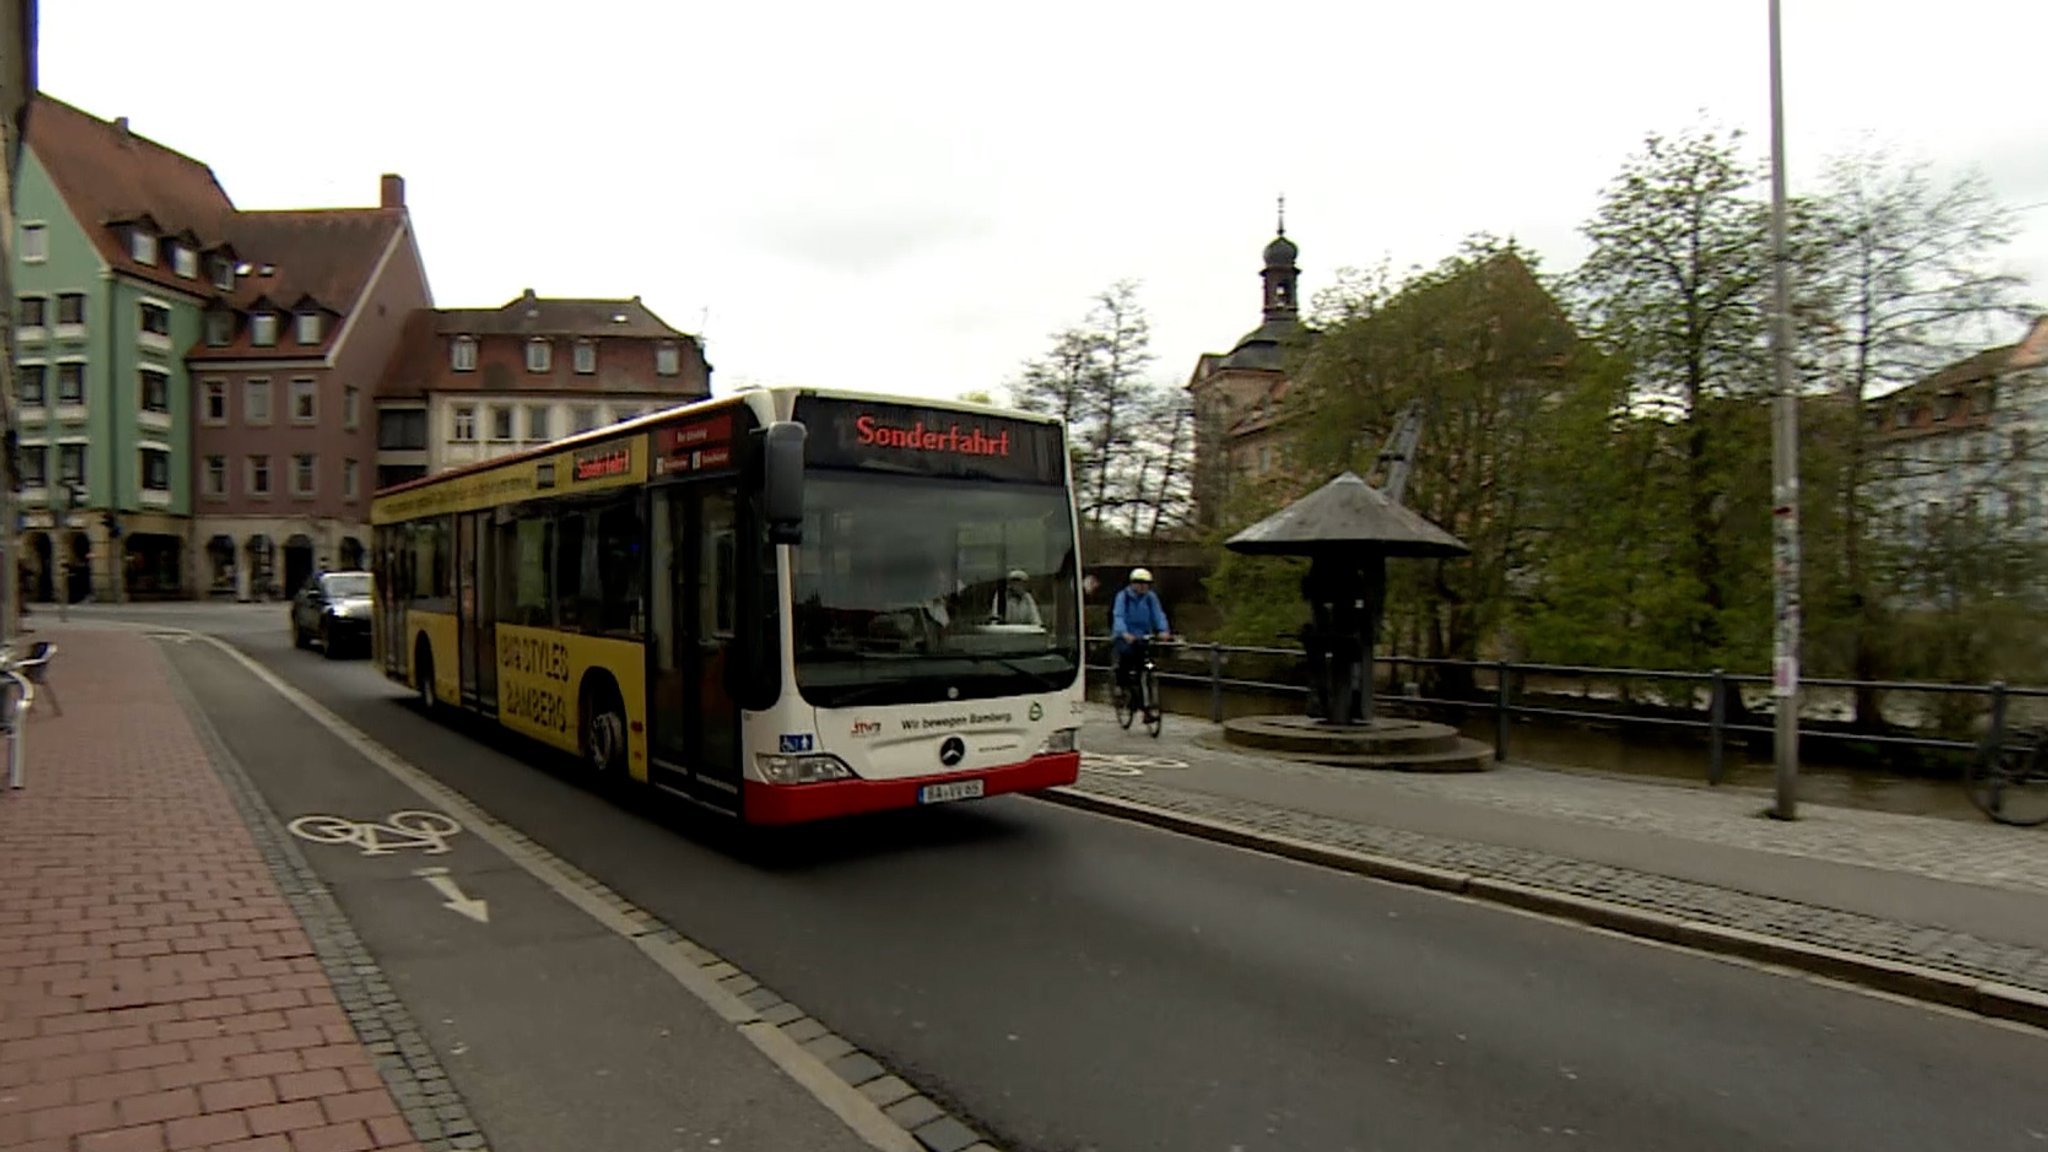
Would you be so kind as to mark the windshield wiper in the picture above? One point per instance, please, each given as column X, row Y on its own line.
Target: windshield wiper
column 1043, row 680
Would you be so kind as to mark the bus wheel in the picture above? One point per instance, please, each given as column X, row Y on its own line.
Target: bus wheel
column 603, row 737
column 423, row 674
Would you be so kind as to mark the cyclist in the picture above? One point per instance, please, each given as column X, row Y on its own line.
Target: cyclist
column 1136, row 619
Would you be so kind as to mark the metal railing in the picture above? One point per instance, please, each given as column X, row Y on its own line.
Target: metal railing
column 1496, row 695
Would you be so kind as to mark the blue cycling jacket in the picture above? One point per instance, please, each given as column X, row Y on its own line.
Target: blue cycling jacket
column 1138, row 615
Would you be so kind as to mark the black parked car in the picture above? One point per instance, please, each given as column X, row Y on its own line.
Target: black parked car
column 333, row 608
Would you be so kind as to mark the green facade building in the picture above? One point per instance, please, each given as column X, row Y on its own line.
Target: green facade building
column 118, row 250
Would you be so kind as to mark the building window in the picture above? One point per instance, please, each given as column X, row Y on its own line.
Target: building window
column 259, row 475
column 351, row 407
column 184, row 261
column 539, row 422
column 156, row 391
column 156, row 320
column 309, row 327
column 224, row 274
column 35, row 466
column 305, row 401
column 585, row 417
column 465, row 423
column 216, row 476
column 402, row 429
column 540, row 356
column 142, row 246
column 220, row 328
column 71, row 464
column 668, row 359
column 31, row 312
column 586, row 357
column 501, row 422
column 463, row 354
column 30, row 380
column 213, row 401
column 263, row 329
column 71, row 383
column 624, row 414
column 156, row 470
column 349, row 479
column 71, row 310
column 256, row 401
column 35, row 243
column 304, row 467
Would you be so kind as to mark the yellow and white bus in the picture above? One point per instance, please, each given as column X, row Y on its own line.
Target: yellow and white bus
column 786, row 604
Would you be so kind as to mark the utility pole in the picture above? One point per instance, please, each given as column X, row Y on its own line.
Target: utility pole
column 1784, row 464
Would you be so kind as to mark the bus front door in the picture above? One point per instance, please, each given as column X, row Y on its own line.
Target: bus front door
column 696, row 733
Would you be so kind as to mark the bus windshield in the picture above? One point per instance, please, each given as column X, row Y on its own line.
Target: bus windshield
column 921, row 590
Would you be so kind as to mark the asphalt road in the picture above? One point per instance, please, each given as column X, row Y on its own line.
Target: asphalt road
column 1069, row 982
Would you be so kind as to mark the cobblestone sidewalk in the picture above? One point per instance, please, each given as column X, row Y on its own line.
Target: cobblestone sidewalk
column 157, row 991
column 2016, row 858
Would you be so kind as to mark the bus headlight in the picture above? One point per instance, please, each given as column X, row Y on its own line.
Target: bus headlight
column 1062, row 740
column 801, row 769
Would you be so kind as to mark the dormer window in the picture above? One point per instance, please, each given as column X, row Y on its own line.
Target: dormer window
column 142, row 246
column 540, row 355
column 463, row 355
column 220, row 328
column 184, row 261
column 224, row 274
column 309, row 328
column 668, row 360
column 263, row 329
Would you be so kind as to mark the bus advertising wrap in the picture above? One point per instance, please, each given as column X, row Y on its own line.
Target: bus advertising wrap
column 881, row 437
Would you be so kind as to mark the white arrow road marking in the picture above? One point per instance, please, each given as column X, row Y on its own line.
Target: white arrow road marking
column 475, row 909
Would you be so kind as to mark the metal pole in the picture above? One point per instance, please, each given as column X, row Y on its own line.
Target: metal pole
column 1784, row 462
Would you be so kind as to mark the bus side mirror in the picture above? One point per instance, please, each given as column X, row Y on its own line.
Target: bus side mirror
column 782, row 481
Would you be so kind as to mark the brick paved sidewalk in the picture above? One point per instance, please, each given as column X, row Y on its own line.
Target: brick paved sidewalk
column 1300, row 818
column 156, row 990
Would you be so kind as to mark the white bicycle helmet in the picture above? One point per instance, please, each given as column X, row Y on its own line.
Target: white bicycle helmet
column 1141, row 575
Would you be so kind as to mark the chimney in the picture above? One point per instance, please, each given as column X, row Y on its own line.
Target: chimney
column 393, row 192
column 121, row 127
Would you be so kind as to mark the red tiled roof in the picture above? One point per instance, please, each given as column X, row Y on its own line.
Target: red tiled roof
column 320, row 256
column 531, row 315
column 108, row 174
column 419, row 362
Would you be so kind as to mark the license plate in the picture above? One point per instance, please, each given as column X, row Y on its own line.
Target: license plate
column 955, row 790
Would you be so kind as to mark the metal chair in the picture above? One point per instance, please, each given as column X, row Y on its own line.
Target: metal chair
column 36, row 667
column 17, row 696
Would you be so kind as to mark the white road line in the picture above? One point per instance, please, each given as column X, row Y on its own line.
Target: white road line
column 858, row 1113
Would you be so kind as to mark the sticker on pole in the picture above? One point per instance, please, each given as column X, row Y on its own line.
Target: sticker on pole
column 1785, row 676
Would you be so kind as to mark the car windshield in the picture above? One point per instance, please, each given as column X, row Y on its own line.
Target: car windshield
column 922, row 590
column 345, row 585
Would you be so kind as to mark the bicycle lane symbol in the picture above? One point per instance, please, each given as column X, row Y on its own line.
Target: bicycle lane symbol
column 426, row 831
column 1125, row 764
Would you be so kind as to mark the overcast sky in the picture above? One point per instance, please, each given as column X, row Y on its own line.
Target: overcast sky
column 910, row 197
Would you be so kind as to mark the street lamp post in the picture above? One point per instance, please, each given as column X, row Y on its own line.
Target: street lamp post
column 1784, row 465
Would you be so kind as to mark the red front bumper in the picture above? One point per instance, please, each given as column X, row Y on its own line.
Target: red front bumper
column 798, row 803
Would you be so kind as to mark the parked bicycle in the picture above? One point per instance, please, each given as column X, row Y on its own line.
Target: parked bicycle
column 2008, row 777
column 1145, row 701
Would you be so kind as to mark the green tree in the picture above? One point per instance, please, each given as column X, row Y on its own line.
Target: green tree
column 1904, row 280
column 1484, row 348
column 1674, row 285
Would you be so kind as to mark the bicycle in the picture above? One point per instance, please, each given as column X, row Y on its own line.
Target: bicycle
column 2008, row 781
column 1147, row 703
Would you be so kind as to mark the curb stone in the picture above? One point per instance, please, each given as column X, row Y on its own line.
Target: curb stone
column 1989, row 998
column 775, row 1028
column 419, row 1086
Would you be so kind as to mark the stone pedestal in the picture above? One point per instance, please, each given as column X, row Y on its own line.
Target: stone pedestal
column 1386, row 744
